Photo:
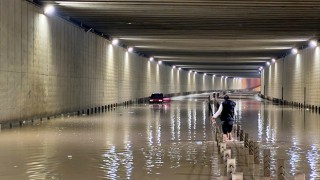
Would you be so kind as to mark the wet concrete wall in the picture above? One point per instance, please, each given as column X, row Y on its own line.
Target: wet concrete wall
column 50, row 66
column 295, row 78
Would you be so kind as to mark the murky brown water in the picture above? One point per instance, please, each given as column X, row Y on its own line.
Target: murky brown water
column 169, row 141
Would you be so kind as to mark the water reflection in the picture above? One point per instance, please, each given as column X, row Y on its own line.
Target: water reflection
column 117, row 163
column 288, row 134
column 313, row 160
column 158, row 141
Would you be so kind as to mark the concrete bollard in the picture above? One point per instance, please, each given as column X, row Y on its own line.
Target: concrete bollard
column 227, row 154
column 231, row 166
column 223, row 146
column 299, row 176
column 237, row 176
column 266, row 162
column 280, row 169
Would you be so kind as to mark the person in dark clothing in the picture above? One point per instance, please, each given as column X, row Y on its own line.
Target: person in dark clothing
column 227, row 112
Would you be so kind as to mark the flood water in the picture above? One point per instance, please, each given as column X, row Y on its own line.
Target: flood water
column 168, row 141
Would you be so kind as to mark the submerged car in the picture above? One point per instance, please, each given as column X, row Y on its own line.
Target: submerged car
column 158, row 98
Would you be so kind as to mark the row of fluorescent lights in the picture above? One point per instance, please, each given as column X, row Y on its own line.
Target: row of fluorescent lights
column 49, row 10
column 294, row 51
column 151, row 59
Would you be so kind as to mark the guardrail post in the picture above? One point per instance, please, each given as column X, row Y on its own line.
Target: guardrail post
column 256, row 153
column 251, row 152
column 238, row 130
column 251, row 147
column 246, row 140
column 241, row 135
column 280, row 169
column 266, row 162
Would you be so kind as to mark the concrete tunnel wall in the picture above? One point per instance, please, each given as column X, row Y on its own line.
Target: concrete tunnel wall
column 50, row 66
column 298, row 75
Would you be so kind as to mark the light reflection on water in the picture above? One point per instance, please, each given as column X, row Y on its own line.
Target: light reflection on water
column 290, row 133
column 154, row 142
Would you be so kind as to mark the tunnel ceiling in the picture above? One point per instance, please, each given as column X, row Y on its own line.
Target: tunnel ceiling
column 227, row 38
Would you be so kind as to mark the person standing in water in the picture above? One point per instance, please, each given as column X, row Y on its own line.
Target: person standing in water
column 227, row 112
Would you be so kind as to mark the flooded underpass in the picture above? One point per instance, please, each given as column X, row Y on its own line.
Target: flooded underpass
column 156, row 141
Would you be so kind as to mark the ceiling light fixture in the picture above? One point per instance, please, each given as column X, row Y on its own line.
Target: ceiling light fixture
column 313, row 43
column 294, row 51
column 130, row 49
column 49, row 9
column 115, row 41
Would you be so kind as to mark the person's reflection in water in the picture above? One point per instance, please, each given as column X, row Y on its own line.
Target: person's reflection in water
column 226, row 109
